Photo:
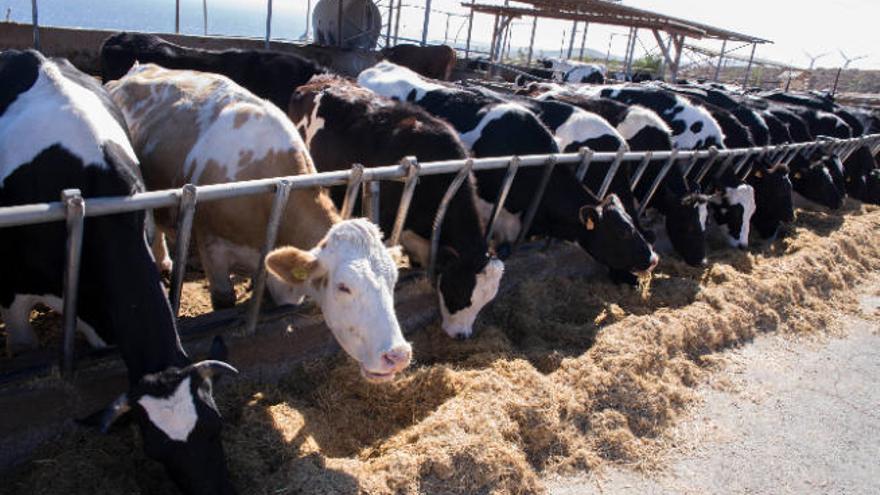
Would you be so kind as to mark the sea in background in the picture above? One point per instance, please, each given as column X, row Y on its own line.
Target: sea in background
column 245, row 18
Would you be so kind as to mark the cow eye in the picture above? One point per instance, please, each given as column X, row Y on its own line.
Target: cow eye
column 343, row 288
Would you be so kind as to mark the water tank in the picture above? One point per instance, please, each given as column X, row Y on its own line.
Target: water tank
column 361, row 23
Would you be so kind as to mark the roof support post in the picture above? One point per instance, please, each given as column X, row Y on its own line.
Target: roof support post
column 269, row 23
column 205, row 17
column 584, row 41
column 467, row 46
column 749, row 67
column 678, row 41
column 426, row 22
column 574, row 28
column 36, row 23
column 305, row 35
column 390, row 19
column 665, row 47
column 176, row 15
column 632, row 52
column 532, row 41
column 494, row 40
column 629, row 41
column 339, row 14
column 397, row 21
column 720, row 61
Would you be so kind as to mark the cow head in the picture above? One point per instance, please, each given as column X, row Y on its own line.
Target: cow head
column 351, row 276
column 611, row 237
column 180, row 423
column 872, row 187
column 814, row 182
column 773, row 205
column 463, row 294
column 686, row 225
column 857, row 169
column 732, row 207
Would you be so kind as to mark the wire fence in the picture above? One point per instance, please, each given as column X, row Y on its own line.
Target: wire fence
column 73, row 208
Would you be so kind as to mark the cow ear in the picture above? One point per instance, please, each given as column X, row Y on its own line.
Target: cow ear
column 292, row 265
column 589, row 216
column 105, row 418
column 400, row 258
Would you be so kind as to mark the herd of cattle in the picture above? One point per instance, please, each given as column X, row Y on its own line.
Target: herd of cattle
column 167, row 116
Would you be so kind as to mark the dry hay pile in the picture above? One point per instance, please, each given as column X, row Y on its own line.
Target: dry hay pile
column 563, row 375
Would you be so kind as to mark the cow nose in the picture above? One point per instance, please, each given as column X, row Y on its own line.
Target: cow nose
column 397, row 358
column 461, row 336
column 655, row 260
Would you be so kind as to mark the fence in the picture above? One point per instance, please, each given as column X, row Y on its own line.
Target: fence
column 73, row 208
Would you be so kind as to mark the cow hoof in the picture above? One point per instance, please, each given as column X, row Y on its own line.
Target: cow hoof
column 222, row 301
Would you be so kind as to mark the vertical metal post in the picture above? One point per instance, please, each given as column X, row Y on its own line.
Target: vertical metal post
column 643, row 205
column 713, row 152
column 205, row 17
column 370, row 201
column 412, row 167
column 640, row 171
column 351, row 191
column 36, row 24
column 720, row 61
column 185, row 213
column 305, row 35
column 494, row 39
column 282, row 193
column 536, row 201
column 467, row 46
column 586, row 158
column 532, row 41
column 269, row 22
column 76, row 211
column 679, row 48
column 339, row 23
column 574, row 27
column 584, row 41
column 629, row 41
column 390, row 20
column 426, row 22
column 632, row 52
column 502, row 195
column 749, row 67
column 397, row 21
column 709, row 163
column 451, row 191
column 612, row 171
column 176, row 16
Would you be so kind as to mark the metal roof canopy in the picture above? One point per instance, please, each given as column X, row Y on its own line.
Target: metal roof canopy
column 605, row 12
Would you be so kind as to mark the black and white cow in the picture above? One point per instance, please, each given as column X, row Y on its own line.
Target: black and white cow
column 693, row 128
column 268, row 74
column 343, row 124
column 683, row 208
column 490, row 128
column 59, row 130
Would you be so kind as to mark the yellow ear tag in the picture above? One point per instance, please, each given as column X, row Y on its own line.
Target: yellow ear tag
column 590, row 224
column 849, row 179
column 300, row 273
column 797, row 175
column 758, row 174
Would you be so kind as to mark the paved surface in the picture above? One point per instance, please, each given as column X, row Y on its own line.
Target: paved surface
column 797, row 417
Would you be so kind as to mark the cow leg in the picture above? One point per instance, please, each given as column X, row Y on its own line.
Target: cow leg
column 159, row 246
column 216, row 264
column 20, row 336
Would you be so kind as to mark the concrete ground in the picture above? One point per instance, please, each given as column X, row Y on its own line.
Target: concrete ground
column 785, row 416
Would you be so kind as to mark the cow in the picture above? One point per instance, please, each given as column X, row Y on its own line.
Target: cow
column 271, row 75
column 435, row 62
column 60, row 130
column 202, row 128
column 693, row 127
column 490, row 128
column 572, row 71
column 343, row 124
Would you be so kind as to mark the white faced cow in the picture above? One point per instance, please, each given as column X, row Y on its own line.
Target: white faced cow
column 201, row 128
column 59, row 130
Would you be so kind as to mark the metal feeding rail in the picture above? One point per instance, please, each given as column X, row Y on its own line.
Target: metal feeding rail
column 73, row 208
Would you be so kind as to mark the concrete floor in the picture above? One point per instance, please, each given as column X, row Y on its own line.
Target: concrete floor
column 786, row 416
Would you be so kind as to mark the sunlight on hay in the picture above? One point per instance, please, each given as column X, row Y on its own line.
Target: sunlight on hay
column 563, row 375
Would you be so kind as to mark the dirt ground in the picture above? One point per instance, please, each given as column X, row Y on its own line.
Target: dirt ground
column 786, row 415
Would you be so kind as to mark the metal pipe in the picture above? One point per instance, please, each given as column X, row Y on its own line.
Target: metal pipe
column 612, row 171
column 512, row 167
column 351, row 190
column 370, row 201
column 185, row 212
column 692, row 162
column 412, row 179
column 584, row 41
column 632, row 53
column 426, row 22
column 586, row 155
column 75, row 210
column 470, row 30
column 451, row 191
column 390, row 20
column 571, row 39
column 727, row 163
column 532, row 40
column 339, row 24
column 657, row 180
column 640, row 171
column 536, row 201
column 397, row 21
column 269, row 22
column 205, row 17
column 679, row 48
column 745, row 158
column 708, row 166
column 176, row 16
column 494, row 40
column 279, row 203
column 720, row 61
column 749, row 67
column 305, row 35
column 36, row 24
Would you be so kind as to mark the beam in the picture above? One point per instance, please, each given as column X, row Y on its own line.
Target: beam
column 574, row 28
column 749, row 67
column 584, row 41
column 467, row 46
column 269, row 23
column 390, row 20
column 678, row 41
column 720, row 61
column 35, row 23
column 176, row 15
column 426, row 22
column 397, row 21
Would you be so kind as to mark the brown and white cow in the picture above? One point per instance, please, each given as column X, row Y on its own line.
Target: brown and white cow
column 201, row 128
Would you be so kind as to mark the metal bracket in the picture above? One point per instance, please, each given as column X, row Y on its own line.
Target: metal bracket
column 75, row 208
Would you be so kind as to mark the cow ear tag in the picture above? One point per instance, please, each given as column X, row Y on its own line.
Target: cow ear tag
column 590, row 225
column 797, row 175
column 300, row 273
column 759, row 174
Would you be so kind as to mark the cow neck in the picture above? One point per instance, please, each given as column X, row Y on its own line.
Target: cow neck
column 558, row 213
